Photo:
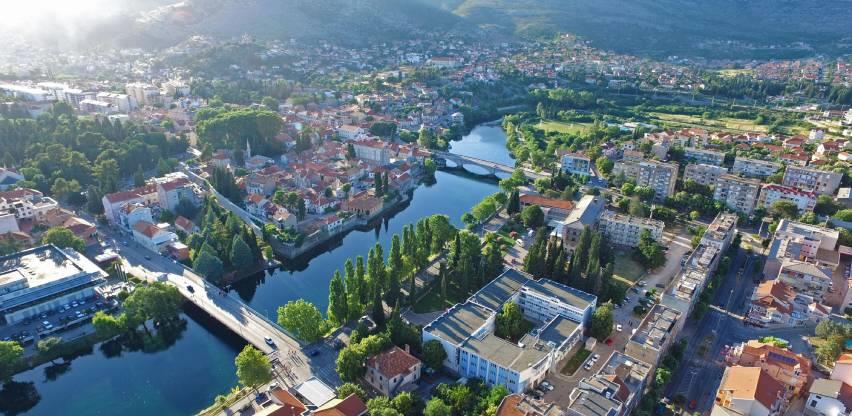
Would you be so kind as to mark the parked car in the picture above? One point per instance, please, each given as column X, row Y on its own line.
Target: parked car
column 269, row 341
column 618, row 328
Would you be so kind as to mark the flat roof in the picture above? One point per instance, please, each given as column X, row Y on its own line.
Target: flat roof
column 315, row 391
column 502, row 288
column 558, row 329
column 506, row 354
column 459, row 322
column 656, row 327
column 567, row 294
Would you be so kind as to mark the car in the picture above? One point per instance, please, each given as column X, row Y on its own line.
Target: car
column 609, row 341
column 588, row 366
column 190, row 288
column 314, row 353
column 269, row 341
column 124, row 242
column 618, row 328
column 147, row 257
column 596, row 357
column 626, row 299
column 547, row 386
column 82, row 302
column 660, row 285
column 75, row 304
column 617, row 306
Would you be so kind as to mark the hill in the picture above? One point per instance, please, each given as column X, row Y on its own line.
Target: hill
column 709, row 28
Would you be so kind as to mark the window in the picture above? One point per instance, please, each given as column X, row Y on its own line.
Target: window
column 813, row 403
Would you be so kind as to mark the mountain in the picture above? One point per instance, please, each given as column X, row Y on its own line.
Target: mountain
column 710, row 28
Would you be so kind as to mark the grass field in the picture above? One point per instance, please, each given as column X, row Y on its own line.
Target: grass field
column 684, row 120
column 432, row 301
column 560, row 127
column 575, row 362
column 730, row 73
column 626, row 268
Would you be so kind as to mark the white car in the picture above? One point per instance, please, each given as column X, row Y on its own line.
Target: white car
column 618, row 328
column 269, row 341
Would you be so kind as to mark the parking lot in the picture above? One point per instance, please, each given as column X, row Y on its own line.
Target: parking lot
column 54, row 322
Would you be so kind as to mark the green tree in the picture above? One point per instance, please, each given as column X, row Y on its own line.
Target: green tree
column 270, row 103
column 436, row 407
column 434, row 354
column 93, row 201
column 253, row 367
column 350, row 363
column 208, row 265
column 241, row 255
column 11, row 353
column 302, row 318
column 514, row 204
column 601, row 323
column 532, row 216
column 784, row 209
column 337, row 304
column 63, row 238
column 48, row 345
column 511, row 183
column 106, row 325
column 510, row 323
column 650, row 252
column 348, row 389
column 108, row 175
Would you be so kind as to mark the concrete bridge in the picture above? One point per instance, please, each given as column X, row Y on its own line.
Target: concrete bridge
column 491, row 167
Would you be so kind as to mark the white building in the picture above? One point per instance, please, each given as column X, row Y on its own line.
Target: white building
column 153, row 237
column 739, row 194
column 143, row 94
column 42, row 279
column 625, row 230
column 754, row 168
column 703, row 174
column 812, row 180
column 770, row 193
column 708, row 157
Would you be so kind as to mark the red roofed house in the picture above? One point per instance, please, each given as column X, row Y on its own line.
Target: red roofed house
column 352, row 405
column 791, row 369
column 390, row 371
column 152, row 237
column 556, row 209
column 750, row 391
column 184, row 224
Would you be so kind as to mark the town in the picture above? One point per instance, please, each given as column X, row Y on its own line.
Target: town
column 440, row 226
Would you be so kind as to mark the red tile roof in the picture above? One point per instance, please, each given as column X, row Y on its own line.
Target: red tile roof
column 546, row 202
column 393, row 362
column 352, row 405
column 290, row 405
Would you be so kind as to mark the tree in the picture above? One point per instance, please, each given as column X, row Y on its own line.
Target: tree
column 139, row 177
column 436, row 407
column 650, row 252
column 93, row 201
column 11, row 353
column 510, row 323
column 208, row 265
column 511, row 183
column 825, row 205
column 350, row 363
column 784, row 209
column 532, row 216
column 348, row 389
column 514, row 204
column 253, row 367
column 47, row 345
column 337, row 304
column 241, row 255
column 434, row 354
column 107, row 174
column 106, row 325
column 270, row 103
column 63, row 238
column 601, row 323
column 302, row 318
column 662, row 377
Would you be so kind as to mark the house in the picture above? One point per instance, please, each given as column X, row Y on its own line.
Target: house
column 185, row 225
column 283, row 403
column 363, row 205
column 393, row 371
column 152, row 237
column 775, row 302
column 790, row 369
column 574, row 163
column 828, row 398
column 145, row 195
column 769, row 193
column 749, row 391
column 585, row 214
column 352, row 405
column 843, row 368
column 133, row 212
column 522, row 405
column 174, row 188
column 553, row 208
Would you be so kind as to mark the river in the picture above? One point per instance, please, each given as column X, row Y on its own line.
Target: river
column 184, row 374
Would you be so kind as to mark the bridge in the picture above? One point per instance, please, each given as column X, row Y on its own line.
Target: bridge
column 491, row 167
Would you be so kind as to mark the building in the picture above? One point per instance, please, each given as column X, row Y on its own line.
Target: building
column 374, row 151
column 654, row 335
column 703, row 174
column 805, row 201
column 738, row 194
column 352, row 405
column 393, row 371
column 143, row 94
column 133, row 212
column 806, row 278
column 776, row 303
column 575, row 163
column 749, row 391
column 466, row 331
column 804, row 243
column 42, row 279
column 175, row 187
column 145, row 195
column 626, row 230
column 708, row 157
column 659, row 176
column 521, row 405
column 27, row 204
column 630, row 373
column 585, row 214
column 754, row 168
column 153, row 237
column 820, row 181
column 554, row 209
column 828, row 398
column 119, row 102
column 788, row 368
column 9, row 177
column 349, row 132
column 843, row 368
column 597, row 396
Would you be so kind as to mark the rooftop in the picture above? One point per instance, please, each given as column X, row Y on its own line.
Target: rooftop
column 393, row 362
column 656, row 327
column 614, row 216
column 502, row 288
column 459, row 322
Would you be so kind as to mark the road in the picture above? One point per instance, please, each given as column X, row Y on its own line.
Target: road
column 699, row 375
column 304, row 360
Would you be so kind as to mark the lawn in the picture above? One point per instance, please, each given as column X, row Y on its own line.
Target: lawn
column 575, row 362
column 627, row 268
column 730, row 73
column 432, row 301
column 560, row 127
column 727, row 123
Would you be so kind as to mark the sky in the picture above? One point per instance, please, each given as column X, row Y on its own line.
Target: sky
column 59, row 18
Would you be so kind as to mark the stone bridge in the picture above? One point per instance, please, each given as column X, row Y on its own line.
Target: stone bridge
column 491, row 167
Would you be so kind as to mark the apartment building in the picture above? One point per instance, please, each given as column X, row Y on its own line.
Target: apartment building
column 466, row 331
column 776, row 303
column 820, row 181
column 654, row 335
column 596, row 396
column 708, row 157
column 575, row 163
column 739, row 194
column 632, row 374
column 806, row 278
column 27, row 204
column 799, row 242
column 585, row 214
column 625, row 230
column 754, row 168
column 828, row 398
column 769, row 193
column 703, row 174
column 659, row 176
